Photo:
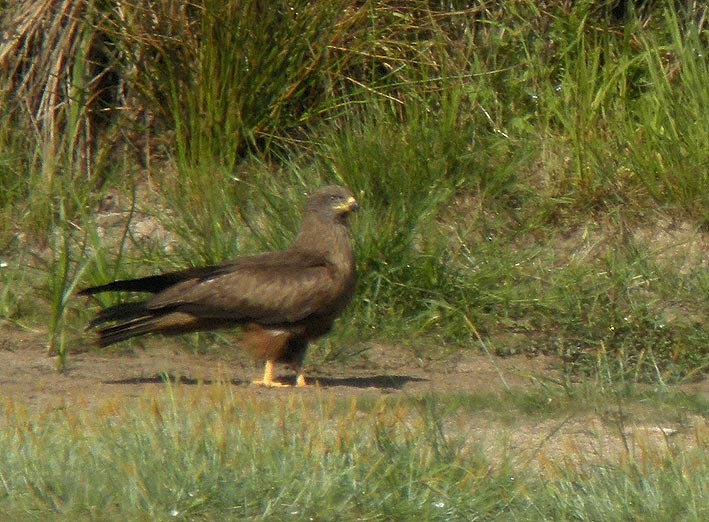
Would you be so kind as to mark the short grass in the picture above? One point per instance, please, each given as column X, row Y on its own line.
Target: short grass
column 531, row 181
column 221, row 453
column 511, row 184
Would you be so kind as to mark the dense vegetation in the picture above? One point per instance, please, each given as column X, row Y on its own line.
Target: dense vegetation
column 534, row 176
column 215, row 455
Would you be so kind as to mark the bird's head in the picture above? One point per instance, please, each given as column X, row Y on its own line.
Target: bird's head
column 332, row 201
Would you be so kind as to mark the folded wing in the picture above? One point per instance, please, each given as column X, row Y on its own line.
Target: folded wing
column 269, row 289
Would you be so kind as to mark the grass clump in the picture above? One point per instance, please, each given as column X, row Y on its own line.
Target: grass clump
column 527, row 174
column 210, row 454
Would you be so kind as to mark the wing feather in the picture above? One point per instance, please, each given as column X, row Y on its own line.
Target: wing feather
column 268, row 289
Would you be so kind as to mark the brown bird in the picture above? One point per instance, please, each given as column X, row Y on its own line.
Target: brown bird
column 281, row 300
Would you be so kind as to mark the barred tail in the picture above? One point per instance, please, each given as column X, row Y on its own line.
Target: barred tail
column 132, row 319
column 122, row 331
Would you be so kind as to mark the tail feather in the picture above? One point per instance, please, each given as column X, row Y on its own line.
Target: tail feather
column 134, row 319
column 125, row 330
column 131, row 319
column 119, row 312
column 157, row 283
column 152, row 284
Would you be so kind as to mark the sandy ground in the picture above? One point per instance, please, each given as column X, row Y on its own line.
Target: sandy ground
column 29, row 376
column 27, row 373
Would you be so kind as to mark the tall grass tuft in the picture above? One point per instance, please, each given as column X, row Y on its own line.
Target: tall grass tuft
column 513, row 160
column 667, row 137
column 215, row 454
column 243, row 76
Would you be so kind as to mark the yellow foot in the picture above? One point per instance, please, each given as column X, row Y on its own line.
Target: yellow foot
column 268, row 381
column 270, row 384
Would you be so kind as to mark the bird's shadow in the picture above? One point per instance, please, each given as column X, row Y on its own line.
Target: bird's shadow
column 160, row 378
column 395, row 382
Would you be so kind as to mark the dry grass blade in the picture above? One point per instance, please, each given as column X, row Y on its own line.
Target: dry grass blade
column 46, row 62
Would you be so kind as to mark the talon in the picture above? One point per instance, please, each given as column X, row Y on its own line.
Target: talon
column 267, row 380
column 270, row 384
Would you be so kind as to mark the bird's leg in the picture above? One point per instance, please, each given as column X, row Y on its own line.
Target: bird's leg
column 300, row 378
column 268, row 378
column 297, row 348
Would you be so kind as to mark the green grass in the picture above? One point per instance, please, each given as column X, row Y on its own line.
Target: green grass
column 531, row 181
column 221, row 453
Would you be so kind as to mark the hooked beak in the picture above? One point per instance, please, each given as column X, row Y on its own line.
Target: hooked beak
column 348, row 206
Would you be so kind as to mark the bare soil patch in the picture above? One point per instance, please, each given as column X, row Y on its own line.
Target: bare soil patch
column 27, row 373
column 29, row 376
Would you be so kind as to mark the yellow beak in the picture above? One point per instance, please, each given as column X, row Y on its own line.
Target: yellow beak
column 348, row 206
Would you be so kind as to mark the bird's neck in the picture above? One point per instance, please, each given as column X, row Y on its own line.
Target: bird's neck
column 323, row 239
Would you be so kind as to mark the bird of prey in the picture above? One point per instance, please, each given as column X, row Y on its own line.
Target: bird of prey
column 281, row 300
